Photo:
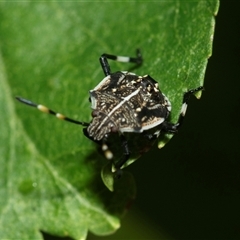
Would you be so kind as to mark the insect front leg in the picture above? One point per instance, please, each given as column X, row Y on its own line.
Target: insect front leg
column 104, row 62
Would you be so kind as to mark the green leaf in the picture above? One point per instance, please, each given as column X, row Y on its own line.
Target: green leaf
column 50, row 172
column 107, row 176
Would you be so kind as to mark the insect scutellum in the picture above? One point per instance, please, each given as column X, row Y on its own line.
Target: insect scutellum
column 124, row 105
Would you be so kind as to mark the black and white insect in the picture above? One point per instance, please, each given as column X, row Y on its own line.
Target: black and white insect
column 129, row 113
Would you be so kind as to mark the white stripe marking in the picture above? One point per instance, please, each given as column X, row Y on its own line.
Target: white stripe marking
column 60, row 116
column 119, row 105
column 122, row 59
column 184, row 109
column 104, row 147
column 43, row 108
column 108, row 154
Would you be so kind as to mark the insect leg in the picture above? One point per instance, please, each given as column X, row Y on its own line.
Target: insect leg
column 104, row 62
column 173, row 128
column 107, row 153
column 124, row 159
column 47, row 110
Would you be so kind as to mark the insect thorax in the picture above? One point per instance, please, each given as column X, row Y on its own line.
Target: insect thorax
column 125, row 102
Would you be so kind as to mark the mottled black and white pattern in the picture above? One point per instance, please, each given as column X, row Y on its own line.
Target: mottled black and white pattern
column 125, row 102
column 129, row 112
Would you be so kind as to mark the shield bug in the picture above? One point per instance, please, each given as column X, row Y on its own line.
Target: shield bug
column 129, row 113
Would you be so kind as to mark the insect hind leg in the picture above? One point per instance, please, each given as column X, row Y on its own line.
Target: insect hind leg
column 124, row 159
column 116, row 167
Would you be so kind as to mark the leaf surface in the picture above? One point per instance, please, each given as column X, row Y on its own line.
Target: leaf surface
column 50, row 173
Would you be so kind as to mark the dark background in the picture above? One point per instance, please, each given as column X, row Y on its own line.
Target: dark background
column 191, row 188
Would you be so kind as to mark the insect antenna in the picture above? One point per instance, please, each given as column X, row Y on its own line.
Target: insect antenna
column 47, row 110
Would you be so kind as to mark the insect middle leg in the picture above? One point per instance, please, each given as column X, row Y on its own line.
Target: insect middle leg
column 104, row 62
column 173, row 128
